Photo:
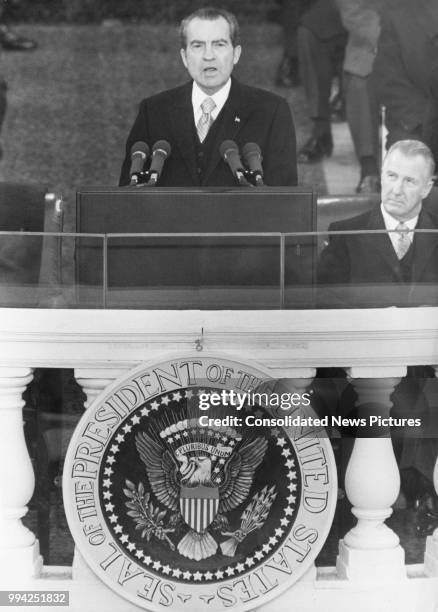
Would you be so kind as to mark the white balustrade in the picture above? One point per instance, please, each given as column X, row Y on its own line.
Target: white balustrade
column 94, row 381
column 431, row 553
column 19, row 552
column 372, row 483
column 101, row 345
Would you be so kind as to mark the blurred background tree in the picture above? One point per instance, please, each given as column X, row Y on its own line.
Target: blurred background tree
column 153, row 11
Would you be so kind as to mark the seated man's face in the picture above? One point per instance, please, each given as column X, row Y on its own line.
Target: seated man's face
column 406, row 181
column 209, row 55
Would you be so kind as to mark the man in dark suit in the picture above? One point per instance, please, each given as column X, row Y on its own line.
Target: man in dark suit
column 394, row 266
column 197, row 117
column 399, row 266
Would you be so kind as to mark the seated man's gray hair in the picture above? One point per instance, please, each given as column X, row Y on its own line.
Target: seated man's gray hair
column 411, row 148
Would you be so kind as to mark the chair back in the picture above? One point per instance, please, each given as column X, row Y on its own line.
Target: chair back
column 28, row 262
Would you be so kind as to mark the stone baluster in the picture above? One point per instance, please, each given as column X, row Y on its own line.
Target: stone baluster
column 431, row 552
column 291, row 380
column 371, row 550
column 19, row 549
column 93, row 381
column 296, row 379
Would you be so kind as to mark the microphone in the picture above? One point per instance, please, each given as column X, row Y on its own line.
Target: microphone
column 252, row 156
column 160, row 152
column 230, row 153
column 139, row 154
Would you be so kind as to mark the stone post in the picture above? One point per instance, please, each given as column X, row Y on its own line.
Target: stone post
column 19, row 549
column 371, row 550
column 431, row 552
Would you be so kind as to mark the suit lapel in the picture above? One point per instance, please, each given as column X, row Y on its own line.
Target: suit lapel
column 424, row 245
column 382, row 243
column 181, row 118
column 233, row 117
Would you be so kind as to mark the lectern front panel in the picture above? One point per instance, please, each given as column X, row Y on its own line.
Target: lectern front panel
column 153, row 262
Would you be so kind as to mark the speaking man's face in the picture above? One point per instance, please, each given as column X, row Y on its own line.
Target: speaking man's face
column 406, row 181
column 209, row 55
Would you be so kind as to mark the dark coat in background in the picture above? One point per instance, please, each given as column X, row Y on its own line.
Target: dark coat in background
column 406, row 70
column 323, row 19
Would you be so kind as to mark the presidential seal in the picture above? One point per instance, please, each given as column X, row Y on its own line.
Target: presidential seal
column 175, row 503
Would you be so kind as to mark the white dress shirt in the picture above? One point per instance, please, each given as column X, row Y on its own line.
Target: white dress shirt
column 198, row 97
column 391, row 224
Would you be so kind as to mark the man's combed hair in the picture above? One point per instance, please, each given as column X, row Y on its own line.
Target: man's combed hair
column 411, row 148
column 210, row 13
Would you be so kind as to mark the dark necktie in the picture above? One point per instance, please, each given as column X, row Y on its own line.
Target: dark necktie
column 403, row 241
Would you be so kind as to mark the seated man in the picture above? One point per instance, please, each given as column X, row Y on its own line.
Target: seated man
column 213, row 107
column 393, row 264
column 398, row 267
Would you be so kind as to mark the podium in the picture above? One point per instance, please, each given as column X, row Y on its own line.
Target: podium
column 196, row 247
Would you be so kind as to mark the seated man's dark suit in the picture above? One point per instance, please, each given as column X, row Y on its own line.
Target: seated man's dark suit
column 360, row 263
column 249, row 115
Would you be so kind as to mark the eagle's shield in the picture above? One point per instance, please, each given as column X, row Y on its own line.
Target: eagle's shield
column 199, row 506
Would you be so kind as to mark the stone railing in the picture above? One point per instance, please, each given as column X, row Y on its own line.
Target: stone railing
column 375, row 346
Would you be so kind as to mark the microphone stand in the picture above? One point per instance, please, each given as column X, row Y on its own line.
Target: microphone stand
column 255, row 177
column 242, row 180
column 144, row 179
column 153, row 179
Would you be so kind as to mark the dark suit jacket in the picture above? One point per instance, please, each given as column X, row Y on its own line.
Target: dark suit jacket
column 368, row 268
column 323, row 19
column 249, row 115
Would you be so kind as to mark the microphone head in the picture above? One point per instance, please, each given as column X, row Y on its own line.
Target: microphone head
column 160, row 152
column 163, row 146
column 140, row 148
column 250, row 149
column 227, row 147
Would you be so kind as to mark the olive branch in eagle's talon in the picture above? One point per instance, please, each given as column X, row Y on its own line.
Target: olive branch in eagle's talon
column 147, row 518
column 253, row 517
